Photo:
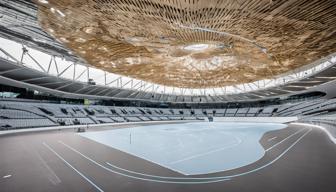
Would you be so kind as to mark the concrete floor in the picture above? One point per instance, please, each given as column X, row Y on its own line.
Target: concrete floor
column 297, row 158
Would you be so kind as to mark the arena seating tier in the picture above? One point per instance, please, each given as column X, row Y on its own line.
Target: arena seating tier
column 20, row 114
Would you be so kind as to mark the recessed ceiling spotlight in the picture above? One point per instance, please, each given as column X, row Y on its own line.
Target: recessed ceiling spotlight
column 333, row 59
column 264, row 50
column 60, row 13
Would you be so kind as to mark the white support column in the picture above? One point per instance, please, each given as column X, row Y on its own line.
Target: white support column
column 74, row 72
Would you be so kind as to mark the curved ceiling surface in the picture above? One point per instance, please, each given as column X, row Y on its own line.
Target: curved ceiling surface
column 194, row 43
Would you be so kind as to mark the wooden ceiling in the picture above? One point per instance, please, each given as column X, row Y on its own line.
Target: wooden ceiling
column 194, row 43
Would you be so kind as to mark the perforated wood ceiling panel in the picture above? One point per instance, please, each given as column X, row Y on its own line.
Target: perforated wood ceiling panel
column 194, row 43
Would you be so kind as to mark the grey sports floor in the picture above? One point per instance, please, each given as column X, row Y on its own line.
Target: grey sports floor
column 302, row 159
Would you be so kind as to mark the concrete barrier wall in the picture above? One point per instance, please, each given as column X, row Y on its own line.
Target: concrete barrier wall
column 23, row 130
column 223, row 119
column 330, row 130
column 257, row 119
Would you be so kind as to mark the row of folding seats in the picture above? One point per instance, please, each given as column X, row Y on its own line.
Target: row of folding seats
column 17, row 114
column 25, row 123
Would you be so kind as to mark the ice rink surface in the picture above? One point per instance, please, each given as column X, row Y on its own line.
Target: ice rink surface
column 191, row 148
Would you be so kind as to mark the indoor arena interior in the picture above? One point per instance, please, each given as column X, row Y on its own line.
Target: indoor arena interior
column 167, row 95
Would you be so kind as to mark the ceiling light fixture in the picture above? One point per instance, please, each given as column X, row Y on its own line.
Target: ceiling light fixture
column 196, row 47
column 43, row 1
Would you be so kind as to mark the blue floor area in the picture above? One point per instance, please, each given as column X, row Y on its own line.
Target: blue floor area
column 191, row 148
